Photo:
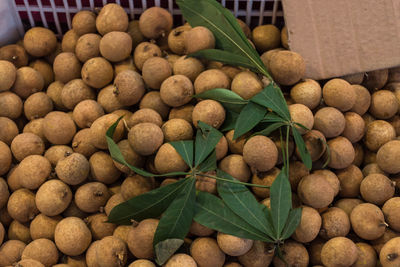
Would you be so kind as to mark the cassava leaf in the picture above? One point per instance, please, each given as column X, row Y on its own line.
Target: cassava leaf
column 292, row 223
column 213, row 213
column 272, row 97
column 210, row 163
column 166, row 248
column 301, row 146
column 242, row 202
column 228, row 99
column 281, row 201
column 225, row 57
column 207, row 137
column 185, row 149
column 176, row 220
column 272, row 117
column 148, row 205
column 270, row 128
column 230, row 121
column 118, row 157
column 250, row 116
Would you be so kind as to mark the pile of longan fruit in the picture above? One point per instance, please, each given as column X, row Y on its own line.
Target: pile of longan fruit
column 59, row 182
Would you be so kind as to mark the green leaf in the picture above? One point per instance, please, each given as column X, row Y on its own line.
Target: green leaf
column 209, row 14
column 148, row 205
column 292, row 223
column 118, row 157
column 185, row 149
column 213, row 213
column 210, row 163
column 165, row 249
column 270, row 128
column 250, row 116
column 207, row 137
column 225, row 57
column 301, row 146
column 272, row 117
column 281, row 201
column 230, row 121
column 242, row 202
column 229, row 99
column 176, row 220
column 272, row 97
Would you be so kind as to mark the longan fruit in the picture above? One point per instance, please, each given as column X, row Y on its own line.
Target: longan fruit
column 69, row 40
column 372, row 168
column 27, row 81
column 375, row 80
column 367, row 255
column 99, row 128
column 8, row 74
column 102, row 168
column 198, row 38
column 177, row 130
column 342, row 153
column 5, row 158
column 37, row 105
column 84, row 22
column 97, row 72
column 21, row 205
column 347, row 204
column 33, row 171
column 86, row 112
column 111, row 251
column 287, row 67
column 176, row 90
column 199, row 229
column 73, row 169
column 135, row 185
column 130, row 156
column 74, row 92
column 389, row 255
column 58, row 128
column 380, row 242
column 88, row 46
column 56, row 153
column 182, row 112
column 129, row 87
column 266, row 56
column 11, row 252
column 266, row 37
column 295, row 254
column 43, row 226
column 9, row 130
column 236, row 166
column 297, row 171
column 230, row 71
column 260, row 255
column 108, row 100
column 42, row 250
column 10, row 105
column 142, row 263
column 39, row 41
column 72, row 236
column 16, row 54
column 168, row 160
column 153, row 101
column 309, row 227
column 388, row 156
column 145, row 138
column 53, row 197
column 4, row 193
column 378, row 133
column 260, row 152
column 134, row 32
column 210, row 79
column 210, row 112
column 67, row 67
column 2, row 233
column 144, row 115
column 116, row 46
column 384, row 104
column 181, row 259
column 354, row 128
column 367, row 221
column 377, row 188
column 113, row 201
column 315, row 144
column 315, row 191
column 391, row 210
column 246, row 84
column 176, row 39
column 54, row 92
column 363, row 100
column 335, row 222
column 112, row 17
column 307, row 93
column 339, row 251
column 205, row 252
column 144, row 51
column 206, row 184
column 339, row 94
column 26, row 144
column 303, row 115
column 19, row 231
column 50, row 58
column 350, row 179
column 140, row 239
column 155, row 22
column 99, row 226
column 232, row 245
column 90, row 197
column 155, row 70
column 189, row 67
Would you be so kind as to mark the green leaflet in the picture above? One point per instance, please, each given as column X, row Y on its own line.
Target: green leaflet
column 210, row 163
column 185, row 149
column 176, row 220
column 227, row 98
column 242, row 202
column 230, row 121
column 165, row 249
column 270, row 128
column 207, row 137
column 250, row 116
column 292, row 223
column 148, row 205
column 213, row 213
column 304, row 154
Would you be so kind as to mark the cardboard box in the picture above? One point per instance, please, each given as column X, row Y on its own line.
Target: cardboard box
column 339, row 37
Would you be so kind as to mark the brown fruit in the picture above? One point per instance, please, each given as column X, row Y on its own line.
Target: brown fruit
column 144, row 51
column 391, row 210
column 9, row 73
column 140, row 239
column 88, row 46
column 390, row 252
column 43, row 226
column 53, row 197
column 246, row 84
column 354, row 128
column 176, row 90
column 303, row 115
column 339, row 251
column 235, row 166
column 84, row 22
column 315, row 191
column 72, row 169
column 366, row 256
column 39, row 41
column 232, row 245
column 330, row 121
column 27, row 81
column 129, row 87
column 266, row 37
column 112, row 17
column 388, row 157
column 15, row 54
column 91, row 197
column 33, row 171
column 335, row 222
column 199, row 38
column 210, row 112
column 363, row 99
column 42, row 250
column 210, row 79
column 69, row 40
column 377, row 188
column 264, row 178
column 21, row 205
column 116, row 46
column 168, row 160
column 342, row 153
column 176, row 39
column 348, row 204
column 177, row 130
column 261, row 153
column 67, row 67
column 155, row 70
column 205, row 252
column 9, row 130
column 153, row 101
column 384, row 104
column 367, row 221
column 100, row 126
column 307, row 93
column 350, row 180
column 309, row 226
column 295, row 254
column 155, row 22
column 287, row 67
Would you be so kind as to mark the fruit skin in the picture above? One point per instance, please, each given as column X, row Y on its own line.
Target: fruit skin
column 339, row 251
column 287, row 67
column 155, row 22
column 390, row 253
column 367, row 221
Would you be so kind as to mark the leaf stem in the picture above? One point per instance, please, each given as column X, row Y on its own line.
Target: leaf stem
column 231, row 181
column 287, row 151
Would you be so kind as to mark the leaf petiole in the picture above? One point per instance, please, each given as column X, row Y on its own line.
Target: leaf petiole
column 231, row 181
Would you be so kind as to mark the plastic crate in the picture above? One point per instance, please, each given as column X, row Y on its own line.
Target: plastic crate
column 57, row 14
